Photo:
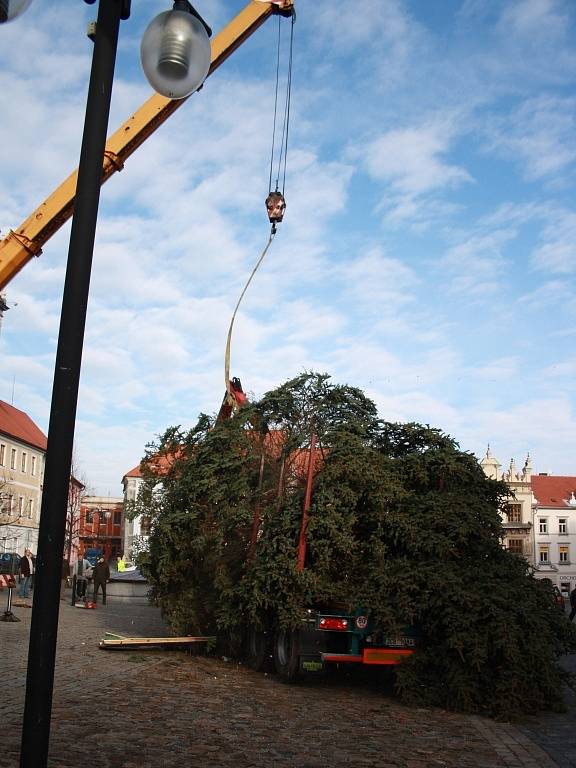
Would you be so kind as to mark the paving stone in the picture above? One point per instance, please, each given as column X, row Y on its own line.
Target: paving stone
column 170, row 709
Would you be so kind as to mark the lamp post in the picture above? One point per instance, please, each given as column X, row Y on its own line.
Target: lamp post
column 102, row 513
column 10, row 9
column 176, row 57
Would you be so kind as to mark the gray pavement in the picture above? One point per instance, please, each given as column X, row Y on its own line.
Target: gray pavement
column 150, row 709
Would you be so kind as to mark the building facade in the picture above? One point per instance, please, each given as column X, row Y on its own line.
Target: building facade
column 539, row 520
column 137, row 529
column 101, row 526
column 22, row 458
column 518, row 516
column 555, row 529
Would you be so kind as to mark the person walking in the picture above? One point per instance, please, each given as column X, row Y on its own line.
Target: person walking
column 26, row 573
column 573, row 604
column 101, row 576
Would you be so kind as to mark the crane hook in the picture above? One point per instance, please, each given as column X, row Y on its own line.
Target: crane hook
column 275, row 207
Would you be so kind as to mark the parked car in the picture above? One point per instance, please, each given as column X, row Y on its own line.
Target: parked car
column 9, row 562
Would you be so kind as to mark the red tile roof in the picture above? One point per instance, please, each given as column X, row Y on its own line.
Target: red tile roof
column 273, row 442
column 160, row 464
column 134, row 472
column 554, row 490
column 18, row 425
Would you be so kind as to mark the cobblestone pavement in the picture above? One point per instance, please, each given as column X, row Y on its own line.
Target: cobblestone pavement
column 156, row 709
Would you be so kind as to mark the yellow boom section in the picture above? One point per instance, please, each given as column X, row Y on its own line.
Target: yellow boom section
column 20, row 245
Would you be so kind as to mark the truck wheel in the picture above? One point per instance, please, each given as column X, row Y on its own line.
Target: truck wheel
column 257, row 650
column 286, row 655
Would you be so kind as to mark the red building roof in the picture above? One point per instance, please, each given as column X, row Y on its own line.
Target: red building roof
column 554, row 491
column 160, row 464
column 134, row 472
column 18, row 425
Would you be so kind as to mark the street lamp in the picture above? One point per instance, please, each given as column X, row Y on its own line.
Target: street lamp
column 10, row 9
column 175, row 51
column 102, row 513
column 174, row 60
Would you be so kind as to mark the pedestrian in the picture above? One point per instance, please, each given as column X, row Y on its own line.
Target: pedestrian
column 573, row 604
column 101, row 576
column 26, row 572
column 120, row 565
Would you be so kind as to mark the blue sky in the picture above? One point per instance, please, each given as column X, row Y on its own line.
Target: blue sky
column 427, row 254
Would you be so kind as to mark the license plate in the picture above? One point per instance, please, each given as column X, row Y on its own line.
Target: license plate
column 312, row 666
column 400, row 642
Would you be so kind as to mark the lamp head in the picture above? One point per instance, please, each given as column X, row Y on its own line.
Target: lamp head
column 10, row 9
column 175, row 52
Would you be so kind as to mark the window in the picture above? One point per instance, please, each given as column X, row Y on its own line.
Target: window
column 23, row 458
column 543, row 524
column 10, row 503
column 544, row 553
column 33, row 465
column 2, row 454
column 516, row 546
column 13, row 458
column 20, row 506
column 564, row 554
column 562, row 525
column 89, row 516
column 514, row 513
column 30, row 508
column 117, row 517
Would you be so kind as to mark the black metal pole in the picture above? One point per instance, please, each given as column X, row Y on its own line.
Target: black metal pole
column 46, row 604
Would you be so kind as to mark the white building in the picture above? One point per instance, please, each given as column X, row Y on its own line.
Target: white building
column 540, row 520
column 555, row 529
column 136, row 530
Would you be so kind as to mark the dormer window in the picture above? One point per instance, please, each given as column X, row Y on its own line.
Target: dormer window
column 572, row 500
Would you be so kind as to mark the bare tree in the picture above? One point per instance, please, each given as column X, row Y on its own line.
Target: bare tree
column 9, row 524
column 76, row 490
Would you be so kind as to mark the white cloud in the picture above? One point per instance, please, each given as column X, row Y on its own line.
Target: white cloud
column 413, row 166
column 501, row 369
column 557, row 254
column 539, row 136
column 380, row 282
column 550, row 294
column 544, row 18
column 412, row 159
column 541, row 427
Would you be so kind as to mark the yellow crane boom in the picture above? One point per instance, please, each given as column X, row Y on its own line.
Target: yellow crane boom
column 20, row 245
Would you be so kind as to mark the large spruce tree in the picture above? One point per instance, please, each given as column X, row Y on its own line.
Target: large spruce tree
column 402, row 522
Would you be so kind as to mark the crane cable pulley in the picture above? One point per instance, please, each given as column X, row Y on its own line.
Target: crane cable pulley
column 275, row 202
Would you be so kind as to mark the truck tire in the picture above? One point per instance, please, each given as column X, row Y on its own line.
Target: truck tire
column 287, row 654
column 257, row 652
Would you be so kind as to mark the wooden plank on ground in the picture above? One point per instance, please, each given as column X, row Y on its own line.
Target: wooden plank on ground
column 134, row 642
